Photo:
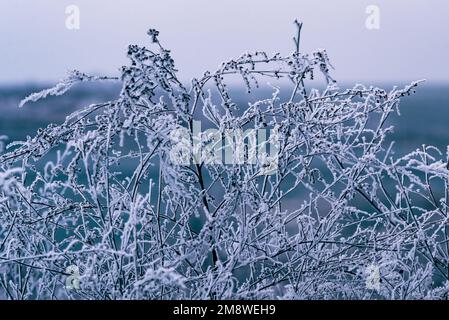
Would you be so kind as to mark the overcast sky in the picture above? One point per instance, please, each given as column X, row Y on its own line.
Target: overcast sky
column 412, row 42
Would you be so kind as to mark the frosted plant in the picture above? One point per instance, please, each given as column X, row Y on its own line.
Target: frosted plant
column 100, row 193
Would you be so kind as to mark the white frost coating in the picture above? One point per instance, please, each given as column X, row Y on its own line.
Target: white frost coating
column 8, row 180
column 63, row 86
column 100, row 192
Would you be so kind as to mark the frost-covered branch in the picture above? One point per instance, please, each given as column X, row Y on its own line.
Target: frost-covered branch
column 300, row 214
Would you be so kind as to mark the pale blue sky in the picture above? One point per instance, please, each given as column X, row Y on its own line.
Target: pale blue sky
column 412, row 43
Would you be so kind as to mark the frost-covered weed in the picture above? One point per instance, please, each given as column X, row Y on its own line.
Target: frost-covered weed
column 101, row 193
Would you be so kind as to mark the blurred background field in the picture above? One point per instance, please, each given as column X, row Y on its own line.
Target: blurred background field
column 424, row 116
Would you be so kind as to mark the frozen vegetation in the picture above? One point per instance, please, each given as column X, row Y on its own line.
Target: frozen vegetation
column 305, row 223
